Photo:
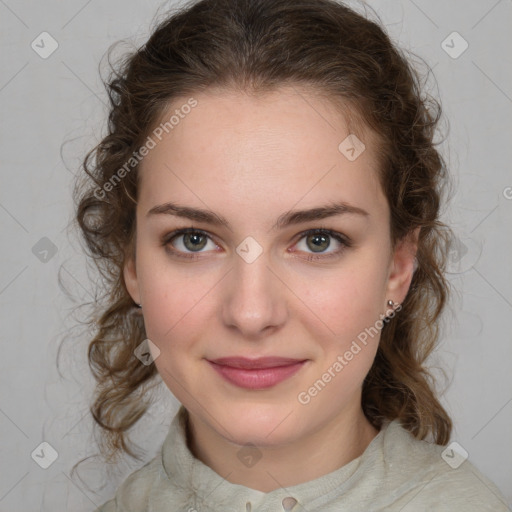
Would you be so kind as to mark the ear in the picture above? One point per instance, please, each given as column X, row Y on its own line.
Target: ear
column 130, row 277
column 402, row 266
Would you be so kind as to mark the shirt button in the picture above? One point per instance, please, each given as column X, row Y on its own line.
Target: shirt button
column 248, row 506
column 289, row 503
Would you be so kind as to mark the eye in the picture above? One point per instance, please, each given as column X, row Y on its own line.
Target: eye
column 319, row 239
column 192, row 239
column 185, row 242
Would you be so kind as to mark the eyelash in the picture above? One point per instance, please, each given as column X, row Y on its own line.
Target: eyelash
column 344, row 240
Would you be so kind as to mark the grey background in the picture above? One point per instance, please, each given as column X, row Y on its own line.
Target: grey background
column 46, row 102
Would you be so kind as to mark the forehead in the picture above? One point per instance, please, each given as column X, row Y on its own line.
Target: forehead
column 272, row 151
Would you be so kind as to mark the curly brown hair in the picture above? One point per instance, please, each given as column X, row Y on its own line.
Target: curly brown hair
column 257, row 46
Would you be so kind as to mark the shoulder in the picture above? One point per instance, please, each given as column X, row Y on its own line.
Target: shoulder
column 161, row 480
column 133, row 494
column 424, row 475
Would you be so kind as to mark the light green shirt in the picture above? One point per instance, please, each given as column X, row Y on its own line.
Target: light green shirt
column 395, row 473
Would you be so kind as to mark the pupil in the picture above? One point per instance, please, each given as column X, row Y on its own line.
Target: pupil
column 324, row 239
column 194, row 237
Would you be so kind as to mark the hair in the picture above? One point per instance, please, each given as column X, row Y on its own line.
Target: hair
column 255, row 46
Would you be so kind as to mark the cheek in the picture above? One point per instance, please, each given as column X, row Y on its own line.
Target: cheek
column 175, row 305
column 173, row 317
column 345, row 301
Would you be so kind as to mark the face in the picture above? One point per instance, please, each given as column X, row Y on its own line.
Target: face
column 258, row 284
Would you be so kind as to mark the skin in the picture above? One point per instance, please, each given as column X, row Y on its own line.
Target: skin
column 250, row 159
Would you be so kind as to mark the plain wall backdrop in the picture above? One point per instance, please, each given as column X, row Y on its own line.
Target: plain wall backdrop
column 52, row 99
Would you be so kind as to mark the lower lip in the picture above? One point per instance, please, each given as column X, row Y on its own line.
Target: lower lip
column 261, row 378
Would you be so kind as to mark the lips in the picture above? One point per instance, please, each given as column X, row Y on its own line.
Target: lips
column 251, row 364
column 254, row 374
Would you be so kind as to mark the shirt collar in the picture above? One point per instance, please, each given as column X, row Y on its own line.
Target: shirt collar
column 214, row 492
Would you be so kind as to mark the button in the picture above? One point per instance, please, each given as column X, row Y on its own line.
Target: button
column 248, row 506
column 289, row 503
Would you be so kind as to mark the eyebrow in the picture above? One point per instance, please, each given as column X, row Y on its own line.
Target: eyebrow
column 286, row 219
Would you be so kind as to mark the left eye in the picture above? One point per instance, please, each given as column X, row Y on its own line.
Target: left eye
column 318, row 240
column 194, row 240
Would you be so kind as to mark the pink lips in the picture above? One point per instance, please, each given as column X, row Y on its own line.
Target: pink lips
column 258, row 373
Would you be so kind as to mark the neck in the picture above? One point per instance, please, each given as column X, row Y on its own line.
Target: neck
column 284, row 465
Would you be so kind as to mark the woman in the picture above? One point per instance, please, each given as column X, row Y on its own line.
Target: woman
column 266, row 209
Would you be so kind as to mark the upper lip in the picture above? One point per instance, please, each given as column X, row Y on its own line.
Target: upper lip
column 260, row 362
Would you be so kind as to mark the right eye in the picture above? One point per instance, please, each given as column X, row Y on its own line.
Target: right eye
column 189, row 239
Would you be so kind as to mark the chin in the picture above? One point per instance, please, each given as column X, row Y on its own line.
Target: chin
column 261, row 424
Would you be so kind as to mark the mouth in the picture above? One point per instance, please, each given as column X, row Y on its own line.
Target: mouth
column 258, row 363
column 261, row 373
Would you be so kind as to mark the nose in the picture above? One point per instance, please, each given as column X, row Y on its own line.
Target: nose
column 255, row 298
